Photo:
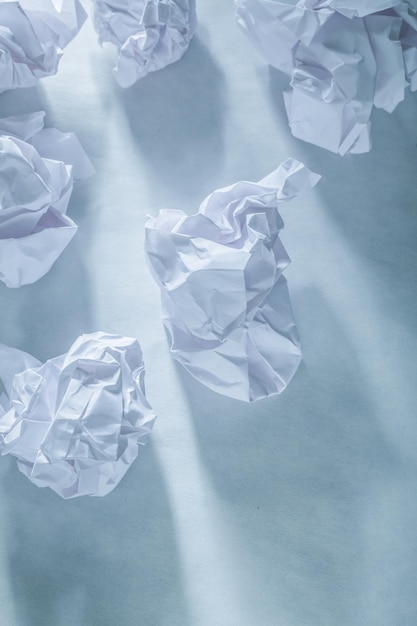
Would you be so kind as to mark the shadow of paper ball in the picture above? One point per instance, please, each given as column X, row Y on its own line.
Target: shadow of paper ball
column 96, row 561
column 176, row 118
column 302, row 469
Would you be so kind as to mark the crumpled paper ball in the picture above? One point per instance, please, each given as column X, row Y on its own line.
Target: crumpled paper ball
column 75, row 422
column 225, row 300
column 33, row 34
column 37, row 168
column 343, row 58
column 149, row 34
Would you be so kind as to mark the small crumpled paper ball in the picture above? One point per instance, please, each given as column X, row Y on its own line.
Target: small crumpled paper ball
column 33, row 34
column 37, row 168
column 225, row 301
column 149, row 34
column 75, row 422
column 343, row 58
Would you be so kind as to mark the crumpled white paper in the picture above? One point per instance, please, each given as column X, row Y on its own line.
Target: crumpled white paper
column 75, row 422
column 37, row 167
column 33, row 34
column 343, row 56
column 149, row 34
column 225, row 301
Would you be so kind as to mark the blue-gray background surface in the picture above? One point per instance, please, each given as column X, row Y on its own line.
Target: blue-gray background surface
column 299, row 510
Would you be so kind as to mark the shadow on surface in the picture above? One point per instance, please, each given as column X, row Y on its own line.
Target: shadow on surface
column 176, row 116
column 21, row 101
column 298, row 475
column 95, row 561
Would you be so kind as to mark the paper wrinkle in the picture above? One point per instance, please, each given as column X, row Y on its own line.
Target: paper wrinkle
column 343, row 57
column 33, row 34
column 75, row 423
column 12, row 361
column 225, row 302
column 149, row 34
column 37, row 169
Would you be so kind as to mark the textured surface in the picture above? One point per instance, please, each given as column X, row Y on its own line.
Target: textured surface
column 299, row 510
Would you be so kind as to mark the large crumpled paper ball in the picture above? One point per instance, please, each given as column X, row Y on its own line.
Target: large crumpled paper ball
column 33, row 34
column 343, row 57
column 225, row 301
column 76, row 422
column 37, row 168
column 149, row 34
